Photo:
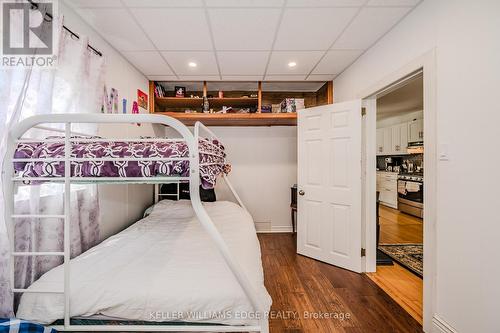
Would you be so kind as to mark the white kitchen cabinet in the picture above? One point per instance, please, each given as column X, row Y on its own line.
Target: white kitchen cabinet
column 399, row 138
column 387, row 185
column 416, row 130
column 387, row 141
column 380, row 141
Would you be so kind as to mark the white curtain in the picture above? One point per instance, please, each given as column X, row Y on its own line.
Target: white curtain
column 74, row 85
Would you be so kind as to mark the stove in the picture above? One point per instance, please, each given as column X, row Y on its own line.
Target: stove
column 411, row 193
column 417, row 177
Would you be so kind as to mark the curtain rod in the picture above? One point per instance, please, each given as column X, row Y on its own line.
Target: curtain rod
column 35, row 5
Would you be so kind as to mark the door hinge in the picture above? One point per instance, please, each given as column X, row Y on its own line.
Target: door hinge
column 363, row 252
column 363, row 111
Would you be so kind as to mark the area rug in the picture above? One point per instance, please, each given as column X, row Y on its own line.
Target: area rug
column 409, row 256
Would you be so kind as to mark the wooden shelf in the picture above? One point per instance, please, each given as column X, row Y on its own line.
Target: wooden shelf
column 190, row 102
column 235, row 119
column 175, row 106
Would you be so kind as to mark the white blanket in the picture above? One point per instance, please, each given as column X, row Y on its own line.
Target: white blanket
column 162, row 268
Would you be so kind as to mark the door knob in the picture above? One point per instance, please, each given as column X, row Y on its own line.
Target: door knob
column 301, row 192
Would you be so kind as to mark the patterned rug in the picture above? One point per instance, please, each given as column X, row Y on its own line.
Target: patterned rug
column 409, row 256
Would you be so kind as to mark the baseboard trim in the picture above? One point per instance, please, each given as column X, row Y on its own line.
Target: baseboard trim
column 441, row 326
column 276, row 229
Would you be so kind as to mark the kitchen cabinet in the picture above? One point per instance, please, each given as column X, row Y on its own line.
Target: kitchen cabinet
column 387, row 185
column 387, row 141
column 416, row 130
column 380, row 141
column 393, row 140
column 399, row 138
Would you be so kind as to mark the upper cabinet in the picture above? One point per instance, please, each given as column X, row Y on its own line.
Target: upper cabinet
column 393, row 140
column 416, row 130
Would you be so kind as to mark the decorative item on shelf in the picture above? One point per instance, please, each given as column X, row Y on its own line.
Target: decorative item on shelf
column 180, row 91
column 266, row 109
column 110, row 102
column 221, row 94
column 142, row 99
column 205, row 105
column 135, row 108
column 124, row 105
column 253, row 109
column 289, row 105
column 253, row 96
column 276, row 108
column 160, row 91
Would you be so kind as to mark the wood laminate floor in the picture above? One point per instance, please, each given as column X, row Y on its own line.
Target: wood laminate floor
column 305, row 291
column 402, row 285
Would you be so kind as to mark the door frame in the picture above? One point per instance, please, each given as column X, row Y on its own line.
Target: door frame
column 427, row 64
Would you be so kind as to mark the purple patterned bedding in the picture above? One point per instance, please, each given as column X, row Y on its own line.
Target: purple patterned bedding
column 212, row 159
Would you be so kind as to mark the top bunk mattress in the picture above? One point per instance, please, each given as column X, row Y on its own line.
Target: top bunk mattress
column 163, row 268
column 212, row 159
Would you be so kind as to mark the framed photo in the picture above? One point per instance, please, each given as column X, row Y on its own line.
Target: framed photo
column 180, row 91
column 142, row 99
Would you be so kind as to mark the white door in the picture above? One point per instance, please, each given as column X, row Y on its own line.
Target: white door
column 329, row 184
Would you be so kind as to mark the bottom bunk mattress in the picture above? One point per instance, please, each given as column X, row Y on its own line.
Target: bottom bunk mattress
column 165, row 267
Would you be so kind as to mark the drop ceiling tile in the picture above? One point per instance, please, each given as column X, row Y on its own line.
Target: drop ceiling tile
column 244, row 29
column 244, row 3
column 335, row 61
column 163, row 3
column 242, row 78
column 199, row 78
column 321, row 77
column 94, row 3
column 173, row 29
column 162, row 77
column 371, row 24
column 393, row 2
column 285, row 77
column 305, row 60
column 205, row 61
column 148, row 62
column 118, row 27
column 312, row 28
column 243, row 63
column 325, row 3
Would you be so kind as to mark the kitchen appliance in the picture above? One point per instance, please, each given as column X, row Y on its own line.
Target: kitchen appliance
column 411, row 194
column 388, row 163
column 415, row 148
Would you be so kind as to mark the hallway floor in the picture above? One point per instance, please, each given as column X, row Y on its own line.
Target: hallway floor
column 402, row 285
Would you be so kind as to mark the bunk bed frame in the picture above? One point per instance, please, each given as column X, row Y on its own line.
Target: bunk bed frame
column 10, row 181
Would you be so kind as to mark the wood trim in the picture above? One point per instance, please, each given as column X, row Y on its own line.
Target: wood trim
column 259, row 97
column 330, row 92
column 235, row 119
column 151, row 97
column 205, row 89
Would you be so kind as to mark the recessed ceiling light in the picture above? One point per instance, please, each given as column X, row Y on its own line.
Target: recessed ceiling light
column 292, row 64
column 192, row 64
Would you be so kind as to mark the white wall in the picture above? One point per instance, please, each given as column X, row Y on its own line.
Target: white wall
column 264, row 167
column 120, row 205
column 466, row 37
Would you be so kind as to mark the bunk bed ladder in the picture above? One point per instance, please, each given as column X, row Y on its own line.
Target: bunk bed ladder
column 66, row 236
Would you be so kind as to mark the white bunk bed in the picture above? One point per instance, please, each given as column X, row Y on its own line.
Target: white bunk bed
column 256, row 295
